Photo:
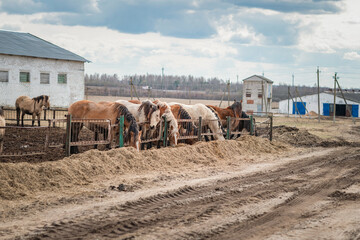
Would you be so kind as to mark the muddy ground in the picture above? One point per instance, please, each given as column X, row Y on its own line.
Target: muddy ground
column 303, row 185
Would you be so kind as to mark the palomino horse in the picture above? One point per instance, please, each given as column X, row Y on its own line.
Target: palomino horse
column 85, row 109
column 209, row 116
column 233, row 111
column 165, row 111
column 185, row 128
column 147, row 114
column 30, row 106
column 2, row 130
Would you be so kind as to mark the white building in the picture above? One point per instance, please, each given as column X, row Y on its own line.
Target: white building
column 257, row 94
column 310, row 103
column 31, row 66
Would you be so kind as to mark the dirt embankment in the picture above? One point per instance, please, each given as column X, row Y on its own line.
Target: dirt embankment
column 19, row 180
column 302, row 138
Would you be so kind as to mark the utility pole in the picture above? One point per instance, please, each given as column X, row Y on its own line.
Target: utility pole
column 293, row 84
column 288, row 101
column 318, row 85
column 335, row 80
column 228, row 88
column 131, row 88
column 162, row 81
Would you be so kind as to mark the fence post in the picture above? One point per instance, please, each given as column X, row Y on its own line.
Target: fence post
column 121, row 131
column 165, row 132
column 228, row 127
column 271, row 127
column 45, row 114
column 68, row 135
column 200, row 129
column 251, row 125
column 54, row 116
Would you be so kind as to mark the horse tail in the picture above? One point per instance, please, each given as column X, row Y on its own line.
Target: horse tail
column 17, row 114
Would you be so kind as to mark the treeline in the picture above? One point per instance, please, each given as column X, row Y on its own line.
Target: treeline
column 173, row 86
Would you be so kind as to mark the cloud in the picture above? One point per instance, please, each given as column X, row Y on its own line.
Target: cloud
column 351, row 56
column 299, row 6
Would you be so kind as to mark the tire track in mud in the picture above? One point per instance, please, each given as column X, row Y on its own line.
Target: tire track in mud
column 187, row 208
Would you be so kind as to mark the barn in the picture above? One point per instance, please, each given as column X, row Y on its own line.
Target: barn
column 310, row 103
column 32, row 66
column 257, row 94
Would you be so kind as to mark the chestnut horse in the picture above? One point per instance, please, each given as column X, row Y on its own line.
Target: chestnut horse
column 2, row 130
column 85, row 109
column 30, row 106
column 233, row 111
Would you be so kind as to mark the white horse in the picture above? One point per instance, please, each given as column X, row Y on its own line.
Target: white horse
column 165, row 110
column 146, row 113
column 210, row 118
column 2, row 130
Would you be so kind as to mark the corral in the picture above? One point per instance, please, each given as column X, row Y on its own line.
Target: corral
column 305, row 181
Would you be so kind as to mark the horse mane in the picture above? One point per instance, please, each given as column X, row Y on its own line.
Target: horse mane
column 1, row 111
column 41, row 97
column 122, row 110
column 183, row 114
column 237, row 108
column 217, row 117
column 148, row 107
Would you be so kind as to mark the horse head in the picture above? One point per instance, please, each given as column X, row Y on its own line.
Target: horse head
column 46, row 101
column 173, row 136
column 237, row 108
column 134, row 136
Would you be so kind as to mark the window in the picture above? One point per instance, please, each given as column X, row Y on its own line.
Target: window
column 248, row 94
column 4, row 76
column 62, row 78
column 24, row 77
column 259, row 94
column 44, row 78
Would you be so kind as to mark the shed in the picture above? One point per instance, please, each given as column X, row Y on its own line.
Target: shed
column 32, row 66
column 310, row 103
column 257, row 94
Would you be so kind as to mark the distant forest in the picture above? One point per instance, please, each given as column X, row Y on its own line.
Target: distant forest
column 170, row 86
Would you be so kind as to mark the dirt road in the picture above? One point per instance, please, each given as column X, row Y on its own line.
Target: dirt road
column 314, row 196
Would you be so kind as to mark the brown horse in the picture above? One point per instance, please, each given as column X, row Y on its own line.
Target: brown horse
column 185, row 128
column 233, row 111
column 30, row 106
column 2, row 130
column 85, row 109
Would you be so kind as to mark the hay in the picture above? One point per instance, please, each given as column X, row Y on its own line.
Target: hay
column 18, row 180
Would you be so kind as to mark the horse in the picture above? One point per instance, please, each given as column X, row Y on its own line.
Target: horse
column 146, row 113
column 2, row 130
column 209, row 116
column 233, row 111
column 85, row 109
column 165, row 111
column 185, row 128
column 245, row 124
column 30, row 106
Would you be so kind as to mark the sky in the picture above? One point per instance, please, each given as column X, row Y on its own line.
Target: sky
column 228, row 39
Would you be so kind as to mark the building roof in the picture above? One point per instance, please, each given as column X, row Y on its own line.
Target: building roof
column 258, row 78
column 26, row 44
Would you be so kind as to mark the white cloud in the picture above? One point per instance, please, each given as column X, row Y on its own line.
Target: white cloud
column 351, row 56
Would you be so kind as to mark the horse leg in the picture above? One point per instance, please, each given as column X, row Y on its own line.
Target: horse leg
column 17, row 116
column 96, row 136
column 33, row 119
column 38, row 117
column 22, row 119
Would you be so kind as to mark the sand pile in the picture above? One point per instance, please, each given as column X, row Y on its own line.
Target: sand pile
column 23, row 179
column 295, row 136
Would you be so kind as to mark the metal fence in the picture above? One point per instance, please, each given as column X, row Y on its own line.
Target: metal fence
column 86, row 133
column 46, row 114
